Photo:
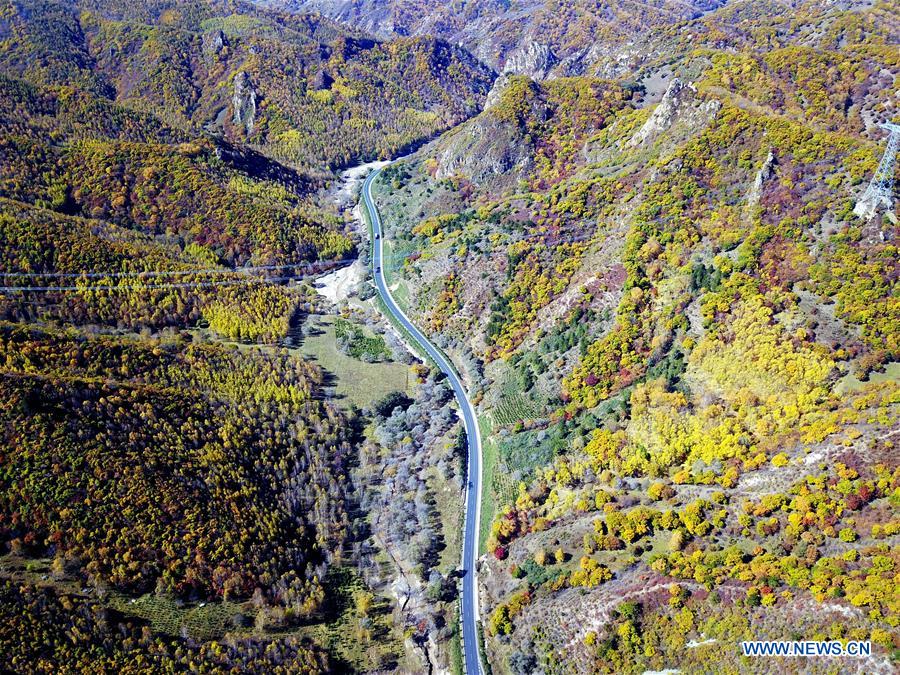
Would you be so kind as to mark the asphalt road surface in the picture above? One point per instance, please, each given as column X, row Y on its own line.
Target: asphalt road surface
column 473, row 482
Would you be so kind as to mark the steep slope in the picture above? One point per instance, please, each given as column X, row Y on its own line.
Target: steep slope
column 300, row 88
column 683, row 341
column 535, row 37
column 95, row 195
column 172, row 500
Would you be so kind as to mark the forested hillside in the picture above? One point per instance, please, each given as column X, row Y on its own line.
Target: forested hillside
column 108, row 438
column 107, row 641
column 531, row 37
column 683, row 342
column 630, row 224
column 305, row 90
column 181, row 478
column 133, row 120
column 123, row 135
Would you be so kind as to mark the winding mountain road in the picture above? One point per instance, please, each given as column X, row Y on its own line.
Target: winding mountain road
column 473, row 482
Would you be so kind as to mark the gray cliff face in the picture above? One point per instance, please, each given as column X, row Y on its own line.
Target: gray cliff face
column 532, row 59
column 681, row 114
column 243, row 102
column 496, row 92
column 491, row 148
column 492, row 29
column 214, row 43
column 482, row 151
column 764, row 174
column 679, row 107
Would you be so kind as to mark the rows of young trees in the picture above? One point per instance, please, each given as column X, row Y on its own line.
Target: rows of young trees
column 406, row 505
column 410, row 482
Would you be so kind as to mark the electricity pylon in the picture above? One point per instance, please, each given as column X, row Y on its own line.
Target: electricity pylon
column 881, row 190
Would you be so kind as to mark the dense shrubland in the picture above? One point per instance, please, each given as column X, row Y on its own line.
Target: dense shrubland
column 353, row 340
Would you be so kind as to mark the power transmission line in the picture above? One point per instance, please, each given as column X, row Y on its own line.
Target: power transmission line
column 143, row 287
column 551, row 238
column 166, row 273
column 880, row 192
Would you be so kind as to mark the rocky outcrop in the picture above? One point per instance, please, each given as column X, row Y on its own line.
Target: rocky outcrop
column 765, row 173
column 482, row 150
column 214, row 43
column 532, row 59
column 496, row 92
column 321, row 80
column 612, row 61
column 871, row 204
column 680, row 106
column 495, row 144
column 243, row 102
column 489, row 29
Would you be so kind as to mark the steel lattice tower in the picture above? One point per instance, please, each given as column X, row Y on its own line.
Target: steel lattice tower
column 881, row 190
